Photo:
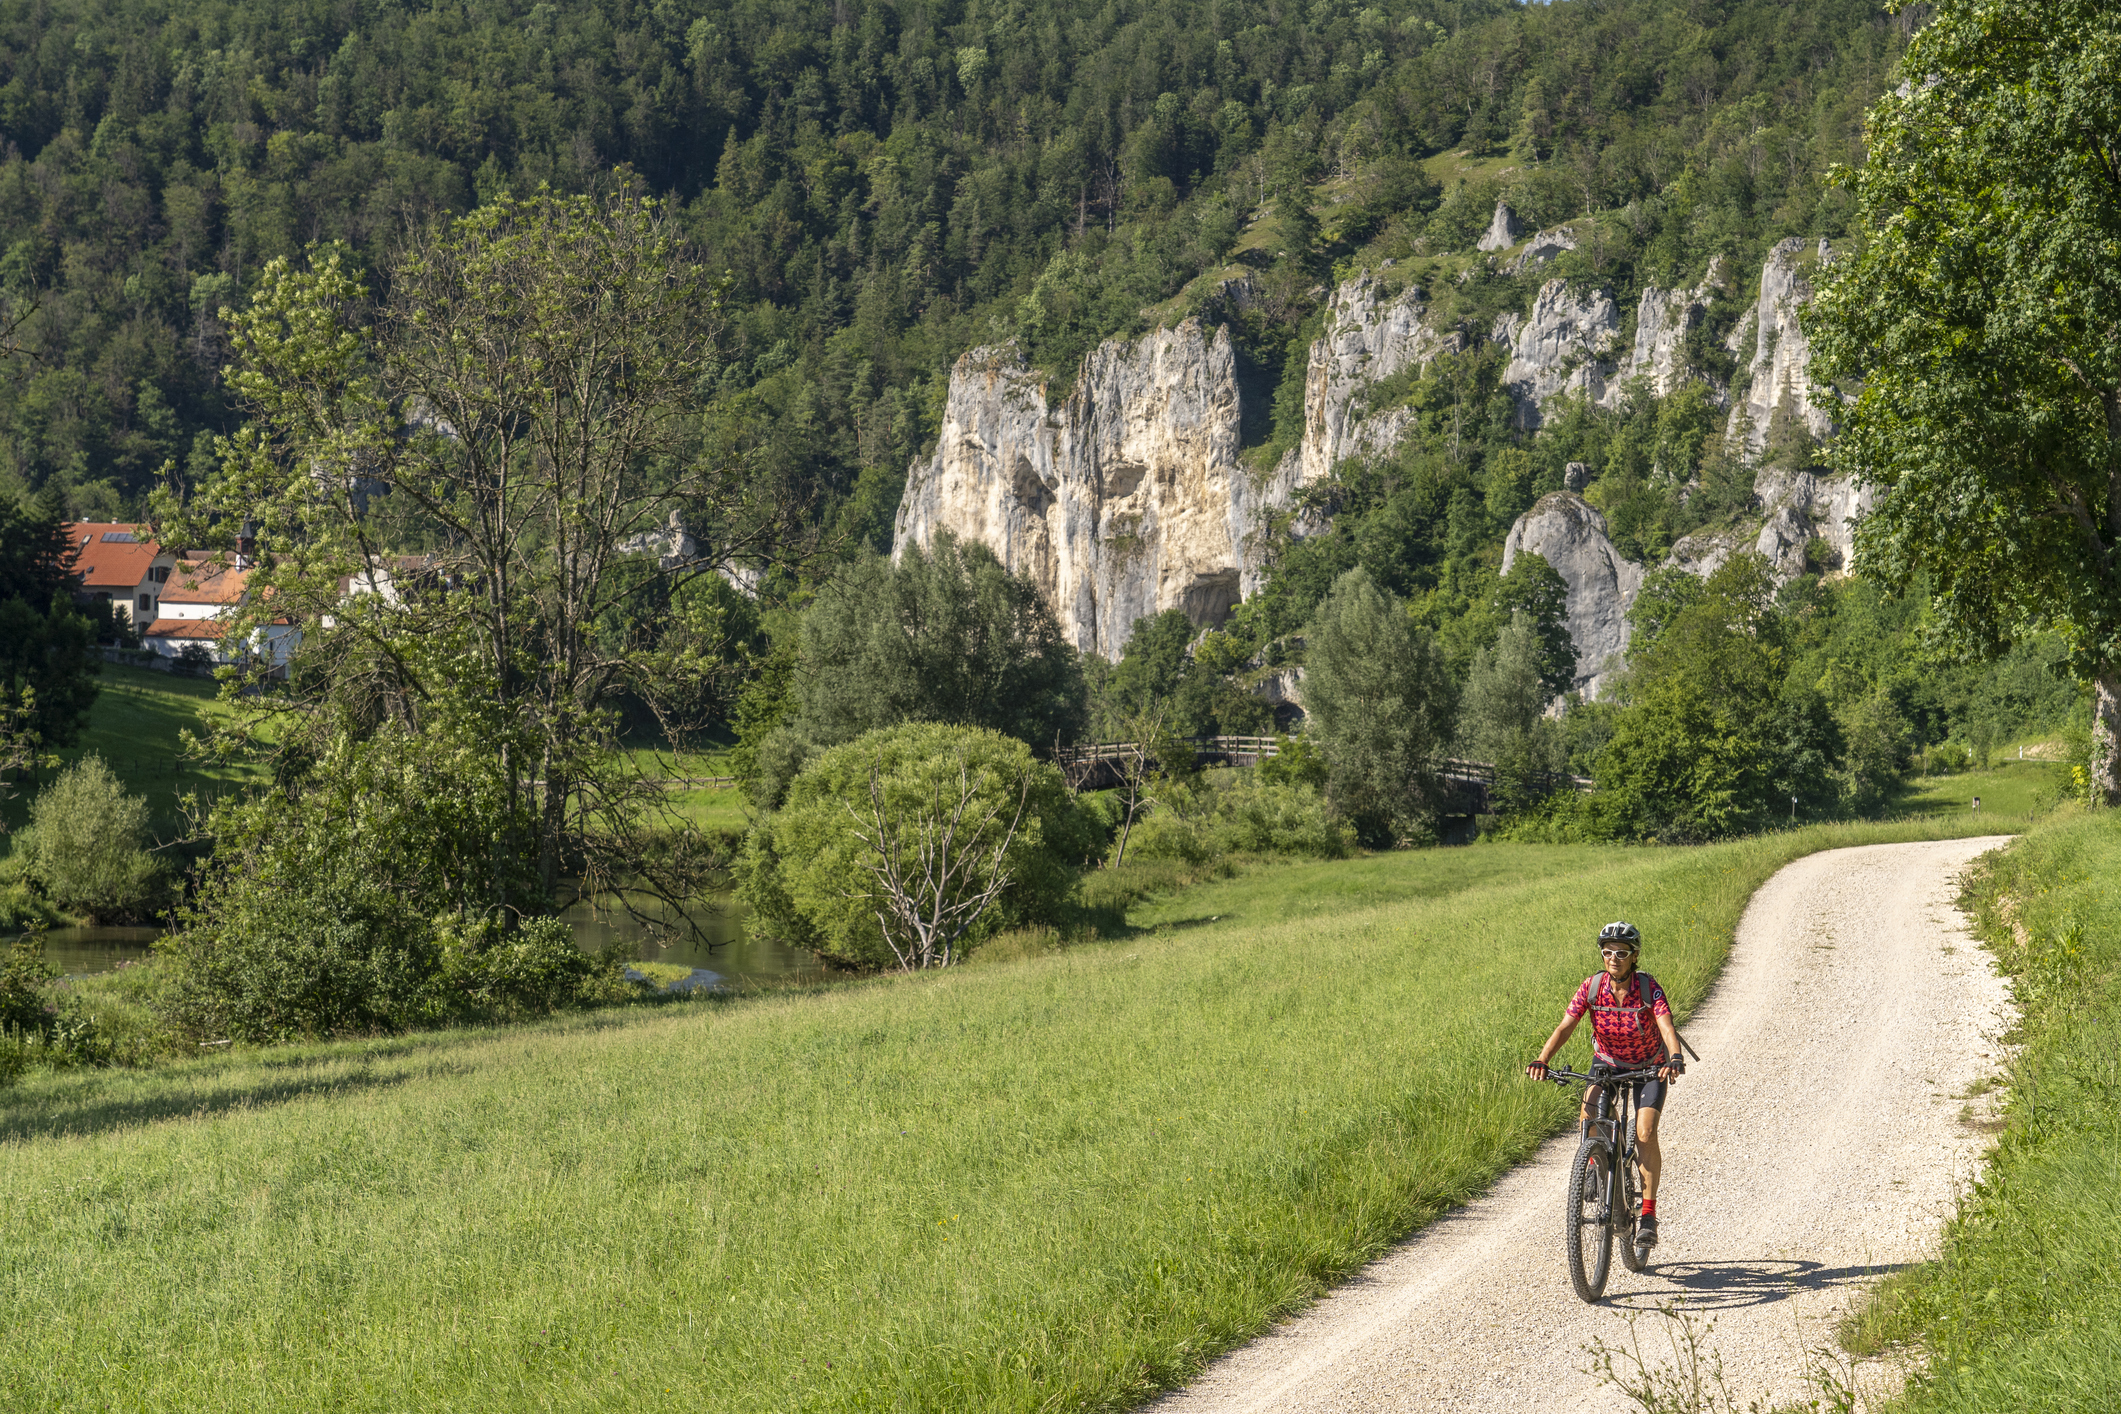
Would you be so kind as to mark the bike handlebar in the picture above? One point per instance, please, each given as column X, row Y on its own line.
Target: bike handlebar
column 1561, row 1075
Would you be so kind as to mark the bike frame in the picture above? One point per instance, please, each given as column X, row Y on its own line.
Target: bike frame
column 1613, row 1132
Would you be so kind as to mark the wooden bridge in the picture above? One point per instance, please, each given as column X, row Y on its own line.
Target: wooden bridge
column 1469, row 786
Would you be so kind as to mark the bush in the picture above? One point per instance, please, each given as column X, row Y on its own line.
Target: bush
column 805, row 872
column 86, row 846
column 35, row 1028
column 332, row 955
column 534, row 970
column 362, row 903
column 1194, row 826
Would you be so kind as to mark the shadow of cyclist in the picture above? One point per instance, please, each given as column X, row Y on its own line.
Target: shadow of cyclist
column 1723, row 1286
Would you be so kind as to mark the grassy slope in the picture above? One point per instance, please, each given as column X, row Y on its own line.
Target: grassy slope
column 2011, row 791
column 2022, row 1311
column 1053, row 1184
column 136, row 726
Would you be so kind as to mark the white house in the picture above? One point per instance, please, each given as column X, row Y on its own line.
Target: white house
column 119, row 566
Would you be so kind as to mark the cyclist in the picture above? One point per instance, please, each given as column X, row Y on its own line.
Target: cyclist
column 1631, row 1027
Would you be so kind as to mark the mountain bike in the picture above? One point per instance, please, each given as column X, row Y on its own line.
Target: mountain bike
column 1605, row 1185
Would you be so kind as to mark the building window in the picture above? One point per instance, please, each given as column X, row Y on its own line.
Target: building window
column 159, row 574
column 147, row 604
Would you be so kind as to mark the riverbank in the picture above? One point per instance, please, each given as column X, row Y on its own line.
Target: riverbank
column 1056, row 1183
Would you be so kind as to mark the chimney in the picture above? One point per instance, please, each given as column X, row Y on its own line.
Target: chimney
column 247, row 545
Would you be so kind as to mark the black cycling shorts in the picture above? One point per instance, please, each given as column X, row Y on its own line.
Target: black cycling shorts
column 1649, row 1094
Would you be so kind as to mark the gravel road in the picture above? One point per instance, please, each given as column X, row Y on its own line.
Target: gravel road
column 1855, row 1002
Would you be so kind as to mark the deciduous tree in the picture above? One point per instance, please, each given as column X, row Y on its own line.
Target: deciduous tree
column 1982, row 316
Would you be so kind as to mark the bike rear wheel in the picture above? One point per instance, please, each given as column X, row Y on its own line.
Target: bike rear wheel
column 1589, row 1235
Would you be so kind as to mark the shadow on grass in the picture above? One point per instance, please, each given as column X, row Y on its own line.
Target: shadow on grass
column 99, row 1114
column 1723, row 1286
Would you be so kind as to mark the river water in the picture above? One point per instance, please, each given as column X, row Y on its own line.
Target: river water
column 718, row 944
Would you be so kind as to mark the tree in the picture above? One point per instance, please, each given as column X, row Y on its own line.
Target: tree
column 1502, row 712
column 48, row 661
column 87, row 845
column 957, row 826
column 945, row 635
column 1979, row 314
column 1536, row 589
column 1375, row 688
column 526, row 401
column 1712, row 737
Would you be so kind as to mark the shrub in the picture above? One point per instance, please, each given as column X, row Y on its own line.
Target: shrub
column 1194, row 826
column 528, row 972
column 332, row 954
column 808, row 871
column 86, row 845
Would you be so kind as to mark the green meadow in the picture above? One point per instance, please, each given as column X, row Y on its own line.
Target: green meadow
column 1060, row 1182
column 137, row 726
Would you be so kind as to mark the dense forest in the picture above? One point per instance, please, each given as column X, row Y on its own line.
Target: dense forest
column 886, row 184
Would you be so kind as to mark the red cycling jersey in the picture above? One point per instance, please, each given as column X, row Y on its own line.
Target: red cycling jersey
column 1623, row 1031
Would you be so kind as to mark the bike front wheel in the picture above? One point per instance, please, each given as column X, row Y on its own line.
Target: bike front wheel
column 1589, row 1234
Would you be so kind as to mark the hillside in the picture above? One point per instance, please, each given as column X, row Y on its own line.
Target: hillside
column 887, row 186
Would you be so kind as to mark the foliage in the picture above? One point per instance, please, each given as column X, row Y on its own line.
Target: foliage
column 1535, row 595
column 1714, row 738
column 803, row 872
column 1502, row 714
column 526, row 400
column 361, row 901
column 1978, row 316
column 48, row 660
column 944, row 635
column 1195, row 675
column 87, row 846
column 1381, row 705
column 1203, row 822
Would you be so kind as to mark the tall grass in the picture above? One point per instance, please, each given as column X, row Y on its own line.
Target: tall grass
column 2021, row 1312
column 1059, row 1183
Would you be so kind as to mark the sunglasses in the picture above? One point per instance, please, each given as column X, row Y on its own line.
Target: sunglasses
column 1617, row 952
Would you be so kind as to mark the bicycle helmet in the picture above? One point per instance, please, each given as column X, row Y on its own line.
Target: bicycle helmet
column 1621, row 933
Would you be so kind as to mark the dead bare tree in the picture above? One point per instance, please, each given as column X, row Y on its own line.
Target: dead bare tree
column 933, row 875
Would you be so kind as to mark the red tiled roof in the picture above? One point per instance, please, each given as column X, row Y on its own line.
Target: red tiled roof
column 200, row 581
column 110, row 554
column 208, row 629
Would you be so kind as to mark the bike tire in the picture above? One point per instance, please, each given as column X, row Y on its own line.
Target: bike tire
column 1631, row 1257
column 1589, row 1234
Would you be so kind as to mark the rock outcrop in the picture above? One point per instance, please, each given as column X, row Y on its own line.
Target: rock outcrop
column 1559, row 348
column 1502, row 232
column 1542, row 249
column 1781, row 354
column 1571, row 536
column 1663, row 319
column 1371, row 332
column 1123, row 501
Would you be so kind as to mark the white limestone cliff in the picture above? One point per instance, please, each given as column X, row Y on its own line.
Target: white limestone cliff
column 1663, row 319
column 1571, row 536
column 1781, row 354
column 1502, row 232
column 1123, row 501
column 1559, row 348
column 1371, row 332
